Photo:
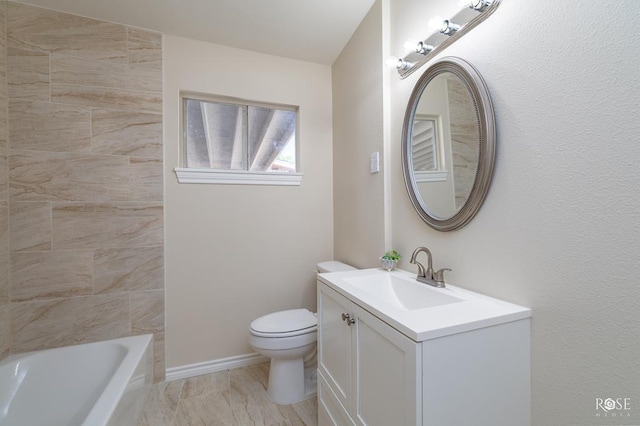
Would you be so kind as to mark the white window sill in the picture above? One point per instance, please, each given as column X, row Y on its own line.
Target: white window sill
column 435, row 176
column 239, row 177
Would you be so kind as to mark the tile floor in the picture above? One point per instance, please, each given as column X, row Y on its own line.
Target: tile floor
column 229, row 398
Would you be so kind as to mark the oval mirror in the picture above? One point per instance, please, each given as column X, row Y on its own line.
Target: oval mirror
column 448, row 144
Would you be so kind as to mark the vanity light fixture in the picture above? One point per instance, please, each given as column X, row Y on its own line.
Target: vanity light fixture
column 420, row 47
column 480, row 5
column 472, row 12
column 399, row 63
column 449, row 28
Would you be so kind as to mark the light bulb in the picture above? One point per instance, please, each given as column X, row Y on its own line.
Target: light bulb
column 449, row 28
column 434, row 24
column 410, row 45
column 480, row 5
column 392, row 61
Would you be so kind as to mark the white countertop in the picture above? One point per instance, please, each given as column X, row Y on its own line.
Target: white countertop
column 473, row 311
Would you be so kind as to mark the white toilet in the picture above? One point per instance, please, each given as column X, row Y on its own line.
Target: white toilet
column 289, row 339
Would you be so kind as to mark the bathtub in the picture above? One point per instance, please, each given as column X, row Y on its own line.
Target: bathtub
column 94, row 384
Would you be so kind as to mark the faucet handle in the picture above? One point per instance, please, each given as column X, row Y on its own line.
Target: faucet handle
column 438, row 276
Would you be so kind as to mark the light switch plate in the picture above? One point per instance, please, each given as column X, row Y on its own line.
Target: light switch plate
column 375, row 162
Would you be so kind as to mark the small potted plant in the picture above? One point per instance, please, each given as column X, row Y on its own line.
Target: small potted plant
column 390, row 260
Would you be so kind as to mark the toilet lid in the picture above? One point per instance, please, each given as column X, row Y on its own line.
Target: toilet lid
column 286, row 322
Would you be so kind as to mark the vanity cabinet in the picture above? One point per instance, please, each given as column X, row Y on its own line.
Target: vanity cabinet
column 367, row 369
column 370, row 373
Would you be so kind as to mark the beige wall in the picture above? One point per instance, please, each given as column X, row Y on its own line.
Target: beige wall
column 85, row 182
column 236, row 252
column 358, row 131
column 559, row 229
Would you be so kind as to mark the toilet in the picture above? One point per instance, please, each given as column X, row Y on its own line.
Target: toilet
column 289, row 339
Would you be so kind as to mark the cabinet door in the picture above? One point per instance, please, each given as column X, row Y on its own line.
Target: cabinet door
column 334, row 343
column 388, row 379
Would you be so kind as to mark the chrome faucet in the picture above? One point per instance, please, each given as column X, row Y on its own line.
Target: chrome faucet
column 427, row 276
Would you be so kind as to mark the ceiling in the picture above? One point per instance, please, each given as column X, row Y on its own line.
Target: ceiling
column 309, row 30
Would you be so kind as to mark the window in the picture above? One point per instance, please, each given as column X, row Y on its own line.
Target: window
column 426, row 149
column 232, row 141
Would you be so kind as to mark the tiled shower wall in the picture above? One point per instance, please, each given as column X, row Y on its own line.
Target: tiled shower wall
column 84, row 191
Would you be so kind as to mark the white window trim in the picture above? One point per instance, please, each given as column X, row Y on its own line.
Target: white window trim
column 237, row 177
column 431, row 176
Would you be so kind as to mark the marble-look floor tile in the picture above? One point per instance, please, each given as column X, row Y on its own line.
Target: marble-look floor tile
column 62, row 322
column 162, row 404
column 41, row 126
column 30, row 224
column 50, row 274
column 128, row 269
column 117, row 132
column 245, row 403
column 210, row 409
column 107, row 225
column 28, row 74
column 205, row 384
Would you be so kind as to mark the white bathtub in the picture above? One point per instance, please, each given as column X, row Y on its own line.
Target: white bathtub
column 94, row 384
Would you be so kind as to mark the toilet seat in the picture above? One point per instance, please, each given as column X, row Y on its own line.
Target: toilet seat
column 293, row 322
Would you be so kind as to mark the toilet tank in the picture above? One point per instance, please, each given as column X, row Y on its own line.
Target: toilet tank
column 334, row 266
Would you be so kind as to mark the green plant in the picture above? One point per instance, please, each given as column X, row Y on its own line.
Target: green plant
column 391, row 255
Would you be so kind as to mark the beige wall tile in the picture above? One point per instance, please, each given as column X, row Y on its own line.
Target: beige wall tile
column 88, row 72
column 38, row 176
column 41, row 29
column 61, row 322
column 128, row 269
column 162, row 404
column 5, row 331
column 4, row 174
column 145, row 48
column 51, row 274
column 41, row 126
column 4, row 226
column 107, row 225
column 30, row 224
column 126, row 133
column 159, row 370
column 4, row 278
column 147, row 312
column 146, row 179
column 100, row 97
column 28, row 74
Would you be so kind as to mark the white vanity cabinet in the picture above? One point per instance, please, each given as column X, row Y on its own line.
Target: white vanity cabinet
column 367, row 370
column 379, row 366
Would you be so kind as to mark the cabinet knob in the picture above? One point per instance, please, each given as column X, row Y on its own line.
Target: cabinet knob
column 348, row 319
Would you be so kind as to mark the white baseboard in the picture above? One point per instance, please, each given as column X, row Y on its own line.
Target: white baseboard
column 213, row 366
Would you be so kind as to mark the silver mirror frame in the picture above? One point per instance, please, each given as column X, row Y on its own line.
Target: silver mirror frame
column 487, row 152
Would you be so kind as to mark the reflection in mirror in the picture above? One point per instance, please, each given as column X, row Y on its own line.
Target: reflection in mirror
column 445, row 186
column 448, row 144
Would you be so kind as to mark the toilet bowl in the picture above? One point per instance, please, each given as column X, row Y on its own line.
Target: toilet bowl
column 289, row 339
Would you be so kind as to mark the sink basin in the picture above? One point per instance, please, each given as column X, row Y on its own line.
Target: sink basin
column 403, row 294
